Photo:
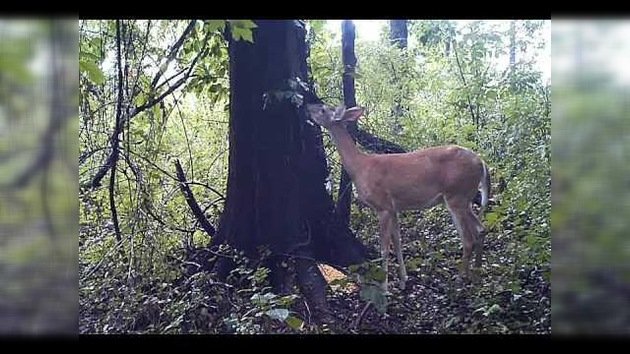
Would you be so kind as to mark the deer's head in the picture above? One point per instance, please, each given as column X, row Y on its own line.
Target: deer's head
column 328, row 116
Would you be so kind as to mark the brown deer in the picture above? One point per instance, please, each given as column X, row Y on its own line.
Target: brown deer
column 411, row 181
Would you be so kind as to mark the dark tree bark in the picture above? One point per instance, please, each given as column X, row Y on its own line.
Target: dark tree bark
column 368, row 141
column 378, row 145
column 349, row 59
column 398, row 33
column 512, row 43
column 192, row 202
column 276, row 194
column 398, row 36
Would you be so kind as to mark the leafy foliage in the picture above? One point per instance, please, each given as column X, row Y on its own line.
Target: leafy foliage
column 457, row 94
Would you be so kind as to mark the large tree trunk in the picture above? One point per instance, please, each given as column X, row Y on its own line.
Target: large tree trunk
column 349, row 59
column 276, row 194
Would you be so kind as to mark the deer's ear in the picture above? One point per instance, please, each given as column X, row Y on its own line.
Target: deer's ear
column 339, row 112
column 313, row 107
column 353, row 114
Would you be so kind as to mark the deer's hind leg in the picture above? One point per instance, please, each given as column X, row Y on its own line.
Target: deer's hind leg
column 467, row 225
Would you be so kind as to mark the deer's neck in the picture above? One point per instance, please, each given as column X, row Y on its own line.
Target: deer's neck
column 351, row 157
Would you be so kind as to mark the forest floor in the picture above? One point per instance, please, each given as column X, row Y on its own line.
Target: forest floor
column 510, row 293
column 504, row 297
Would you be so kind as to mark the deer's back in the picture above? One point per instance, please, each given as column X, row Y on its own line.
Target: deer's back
column 420, row 178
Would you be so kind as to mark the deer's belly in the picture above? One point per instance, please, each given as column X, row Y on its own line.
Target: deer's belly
column 409, row 203
column 386, row 200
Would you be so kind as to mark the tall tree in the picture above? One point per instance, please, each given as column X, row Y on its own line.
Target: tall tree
column 367, row 140
column 349, row 59
column 398, row 33
column 276, row 194
column 512, row 43
column 398, row 36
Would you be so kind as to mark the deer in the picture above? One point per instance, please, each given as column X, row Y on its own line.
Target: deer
column 422, row 179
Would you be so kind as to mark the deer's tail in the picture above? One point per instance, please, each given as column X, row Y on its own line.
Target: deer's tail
column 485, row 188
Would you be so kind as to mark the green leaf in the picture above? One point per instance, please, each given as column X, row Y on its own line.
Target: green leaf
column 245, row 24
column 377, row 274
column 96, row 44
column 294, row 322
column 491, row 218
column 242, row 33
column 414, row 263
column 84, row 56
column 140, row 99
column 214, row 25
column 317, row 25
column 215, row 88
column 340, row 281
column 157, row 112
column 262, row 299
column 95, row 74
column 278, row 314
column 493, row 309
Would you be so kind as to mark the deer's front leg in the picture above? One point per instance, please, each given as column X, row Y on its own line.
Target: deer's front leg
column 385, row 223
column 398, row 248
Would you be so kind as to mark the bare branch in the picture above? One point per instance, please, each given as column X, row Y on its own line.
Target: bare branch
column 461, row 75
column 210, row 188
column 87, row 154
column 134, row 90
column 96, row 181
column 170, row 90
column 192, row 203
column 375, row 144
column 173, row 52
column 154, row 165
column 115, row 142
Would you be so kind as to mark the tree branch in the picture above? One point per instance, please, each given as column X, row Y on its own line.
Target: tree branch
column 379, row 145
column 192, row 203
column 115, row 142
column 208, row 187
column 174, row 50
column 461, row 74
column 96, row 181
column 134, row 90
column 180, row 82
